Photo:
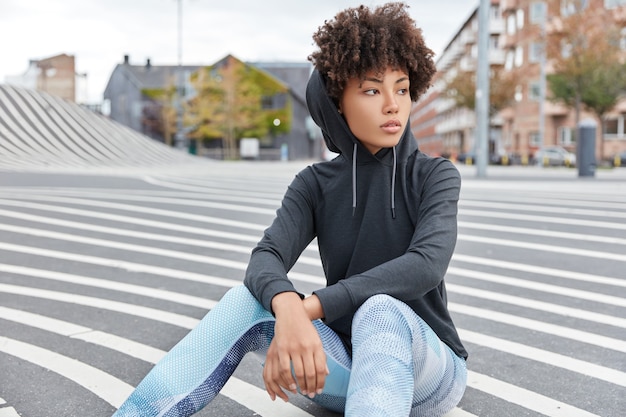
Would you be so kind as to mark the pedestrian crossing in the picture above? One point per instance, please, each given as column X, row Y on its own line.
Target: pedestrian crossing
column 97, row 283
column 112, row 247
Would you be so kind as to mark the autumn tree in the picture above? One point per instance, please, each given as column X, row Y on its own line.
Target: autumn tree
column 462, row 89
column 235, row 100
column 583, row 48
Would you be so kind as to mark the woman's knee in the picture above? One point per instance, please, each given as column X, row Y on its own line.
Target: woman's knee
column 239, row 301
column 381, row 305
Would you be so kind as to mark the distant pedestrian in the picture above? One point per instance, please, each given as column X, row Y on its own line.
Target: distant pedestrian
column 378, row 339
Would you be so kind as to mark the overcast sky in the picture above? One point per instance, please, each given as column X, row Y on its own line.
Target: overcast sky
column 100, row 32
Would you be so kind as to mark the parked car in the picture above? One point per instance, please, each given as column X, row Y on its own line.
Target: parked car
column 619, row 160
column 554, row 156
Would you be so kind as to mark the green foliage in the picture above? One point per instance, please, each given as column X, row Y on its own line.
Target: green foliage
column 232, row 102
column 591, row 74
column 563, row 89
column 606, row 84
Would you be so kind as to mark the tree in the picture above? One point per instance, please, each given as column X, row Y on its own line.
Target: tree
column 462, row 89
column 159, row 115
column 235, row 100
column 589, row 72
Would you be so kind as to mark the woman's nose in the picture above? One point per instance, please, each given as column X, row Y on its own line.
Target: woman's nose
column 391, row 106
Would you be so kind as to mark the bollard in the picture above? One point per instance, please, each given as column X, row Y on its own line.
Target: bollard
column 284, row 152
column 586, row 148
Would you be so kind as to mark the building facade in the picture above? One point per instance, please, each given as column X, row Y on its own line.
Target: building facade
column 131, row 104
column 54, row 75
column 531, row 120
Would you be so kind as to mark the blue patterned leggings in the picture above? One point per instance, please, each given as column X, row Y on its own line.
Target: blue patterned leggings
column 399, row 366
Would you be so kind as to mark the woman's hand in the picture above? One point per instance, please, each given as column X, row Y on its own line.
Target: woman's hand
column 296, row 344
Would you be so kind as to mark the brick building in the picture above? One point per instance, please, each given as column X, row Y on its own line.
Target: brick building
column 516, row 44
column 55, row 75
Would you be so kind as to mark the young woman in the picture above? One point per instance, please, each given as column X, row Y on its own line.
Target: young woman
column 378, row 339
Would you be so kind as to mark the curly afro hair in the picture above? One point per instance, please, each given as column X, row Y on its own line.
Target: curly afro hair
column 360, row 40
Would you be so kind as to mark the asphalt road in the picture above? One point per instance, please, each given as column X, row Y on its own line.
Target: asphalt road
column 102, row 271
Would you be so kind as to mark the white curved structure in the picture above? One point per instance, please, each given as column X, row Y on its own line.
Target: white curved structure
column 39, row 131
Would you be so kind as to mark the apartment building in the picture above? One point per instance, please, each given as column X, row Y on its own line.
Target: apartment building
column 517, row 29
column 55, row 75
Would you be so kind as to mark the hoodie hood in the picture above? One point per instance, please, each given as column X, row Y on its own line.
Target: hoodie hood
column 340, row 139
column 337, row 134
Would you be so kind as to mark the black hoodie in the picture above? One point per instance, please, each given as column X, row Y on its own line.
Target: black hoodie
column 385, row 224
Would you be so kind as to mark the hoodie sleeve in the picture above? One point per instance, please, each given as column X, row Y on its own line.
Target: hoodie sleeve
column 290, row 233
column 423, row 266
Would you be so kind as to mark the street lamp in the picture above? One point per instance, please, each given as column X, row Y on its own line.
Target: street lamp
column 180, row 138
column 482, row 90
column 543, row 10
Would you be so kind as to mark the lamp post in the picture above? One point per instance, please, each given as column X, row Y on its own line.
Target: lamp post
column 482, row 90
column 180, row 139
column 542, row 72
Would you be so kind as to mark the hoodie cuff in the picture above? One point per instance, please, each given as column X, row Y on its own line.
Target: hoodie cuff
column 277, row 287
column 336, row 301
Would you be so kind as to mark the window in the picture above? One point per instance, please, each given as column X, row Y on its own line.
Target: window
column 509, row 60
column 566, row 49
column 519, row 93
column 612, row 4
column 567, row 135
column 535, row 52
column 537, row 12
column 534, row 139
column 511, row 29
column 520, row 18
column 570, row 7
column 610, row 127
column 534, row 90
column 519, row 56
column 493, row 41
column 494, row 12
column 277, row 101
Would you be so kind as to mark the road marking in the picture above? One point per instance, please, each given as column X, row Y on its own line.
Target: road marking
column 105, row 386
column 545, row 233
column 128, row 233
column 570, row 211
column 12, row 194
column 132, row 309
column 248, row 395
column 189, row 323
column 538, row 305
column 539, row 286
column 8, row 412
column 561, row 273
column 545, row 219
column 523, row 397
column 544, row 248
column 128, row 266
column 602, row 373
column 176, row 297
column 540, row 326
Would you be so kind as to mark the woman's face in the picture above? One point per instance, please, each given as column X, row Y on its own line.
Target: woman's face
column 377, row 108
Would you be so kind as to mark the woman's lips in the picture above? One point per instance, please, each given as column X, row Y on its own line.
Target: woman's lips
column 392, row 126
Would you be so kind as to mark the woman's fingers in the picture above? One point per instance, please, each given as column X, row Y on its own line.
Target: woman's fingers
column 321, row 370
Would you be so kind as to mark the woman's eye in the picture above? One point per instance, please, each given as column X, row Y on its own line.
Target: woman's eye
column 403, row 91
column 371, row 91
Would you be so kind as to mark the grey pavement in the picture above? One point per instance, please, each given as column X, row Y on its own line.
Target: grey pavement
column 102, row 270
